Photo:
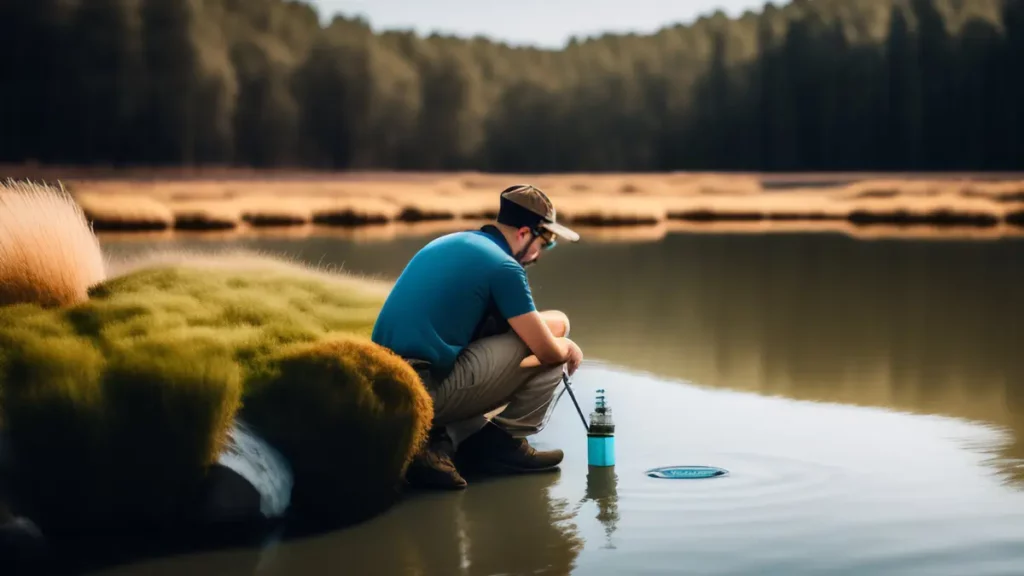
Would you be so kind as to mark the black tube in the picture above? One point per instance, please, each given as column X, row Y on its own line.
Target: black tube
column 565, row 378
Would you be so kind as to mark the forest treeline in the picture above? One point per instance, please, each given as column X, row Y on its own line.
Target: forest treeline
column 811, row 85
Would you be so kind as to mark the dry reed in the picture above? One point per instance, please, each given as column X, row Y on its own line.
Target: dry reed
column 608, row 210
column 48, row 254
column 423, row 206
column 356, row 211
column 475, row 206
column 875, row 188
column 623, row 234
column 998, row 191
column 846, row 228
column 205, row 215
column 583, row 199
column 125, row 212
column 1014, row 214
column 267, row 210
column 937, row 209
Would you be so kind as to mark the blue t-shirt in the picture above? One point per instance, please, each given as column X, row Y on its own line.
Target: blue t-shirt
column 445, row 291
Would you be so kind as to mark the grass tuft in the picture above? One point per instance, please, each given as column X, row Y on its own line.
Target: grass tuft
column 48, row 253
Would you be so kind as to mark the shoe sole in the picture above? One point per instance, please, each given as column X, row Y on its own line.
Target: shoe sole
column 499, row 468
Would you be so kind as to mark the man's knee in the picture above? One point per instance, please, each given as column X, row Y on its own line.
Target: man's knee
column 557, row 321
column 542, row 380
column 551, row 376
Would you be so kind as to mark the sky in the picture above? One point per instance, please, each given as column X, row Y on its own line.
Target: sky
column 545, row 23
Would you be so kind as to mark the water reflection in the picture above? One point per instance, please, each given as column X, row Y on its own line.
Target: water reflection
column 921, row 327
column 501, row 526
column 602, row 490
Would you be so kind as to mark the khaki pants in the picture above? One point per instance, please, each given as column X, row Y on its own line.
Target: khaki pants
column 487, row 383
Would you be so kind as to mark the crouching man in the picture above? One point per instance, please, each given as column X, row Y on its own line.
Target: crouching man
column 462, row 314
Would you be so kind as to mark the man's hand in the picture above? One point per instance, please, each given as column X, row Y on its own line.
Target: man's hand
column 575, row 357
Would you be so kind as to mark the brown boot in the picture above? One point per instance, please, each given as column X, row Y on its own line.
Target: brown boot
column 432, row 466
column 494, row 450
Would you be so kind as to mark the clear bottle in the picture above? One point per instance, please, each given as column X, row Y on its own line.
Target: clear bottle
column 601, row 434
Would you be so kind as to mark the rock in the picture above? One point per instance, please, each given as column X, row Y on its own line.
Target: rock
column 250, row 482
column 22, row 548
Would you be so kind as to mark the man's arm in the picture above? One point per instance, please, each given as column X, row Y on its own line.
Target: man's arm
column 512, row 296
column 534, row 331
column 546, row 347
column 557, row 322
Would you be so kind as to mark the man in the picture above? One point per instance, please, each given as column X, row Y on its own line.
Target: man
column 462, row 314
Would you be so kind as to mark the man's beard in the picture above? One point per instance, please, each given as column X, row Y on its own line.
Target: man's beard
column 520, row 258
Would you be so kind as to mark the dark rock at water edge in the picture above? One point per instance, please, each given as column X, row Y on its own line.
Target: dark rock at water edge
column 245, row 497
column 23, row 549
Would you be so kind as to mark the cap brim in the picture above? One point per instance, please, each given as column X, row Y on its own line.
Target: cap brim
column 561, row 231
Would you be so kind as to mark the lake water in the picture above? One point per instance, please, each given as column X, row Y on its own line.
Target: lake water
column 867, row 398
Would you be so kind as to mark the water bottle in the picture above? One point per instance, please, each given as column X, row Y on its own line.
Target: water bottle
column 601, row 434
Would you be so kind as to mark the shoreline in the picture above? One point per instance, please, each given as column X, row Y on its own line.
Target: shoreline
column 638, row 234
column 615, row 201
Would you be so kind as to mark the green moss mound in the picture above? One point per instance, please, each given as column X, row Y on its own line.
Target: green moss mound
column 116, row 407
column 340, row 411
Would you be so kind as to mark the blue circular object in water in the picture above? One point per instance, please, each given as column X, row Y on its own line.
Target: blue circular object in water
column 686, row 472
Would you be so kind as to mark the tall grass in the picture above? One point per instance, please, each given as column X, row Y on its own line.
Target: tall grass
column 48, row 253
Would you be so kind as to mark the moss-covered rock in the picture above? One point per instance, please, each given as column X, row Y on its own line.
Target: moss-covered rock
column 116, row 406
column 347, row 415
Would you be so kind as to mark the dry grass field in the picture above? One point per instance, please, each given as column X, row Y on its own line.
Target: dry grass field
column 367, row 205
